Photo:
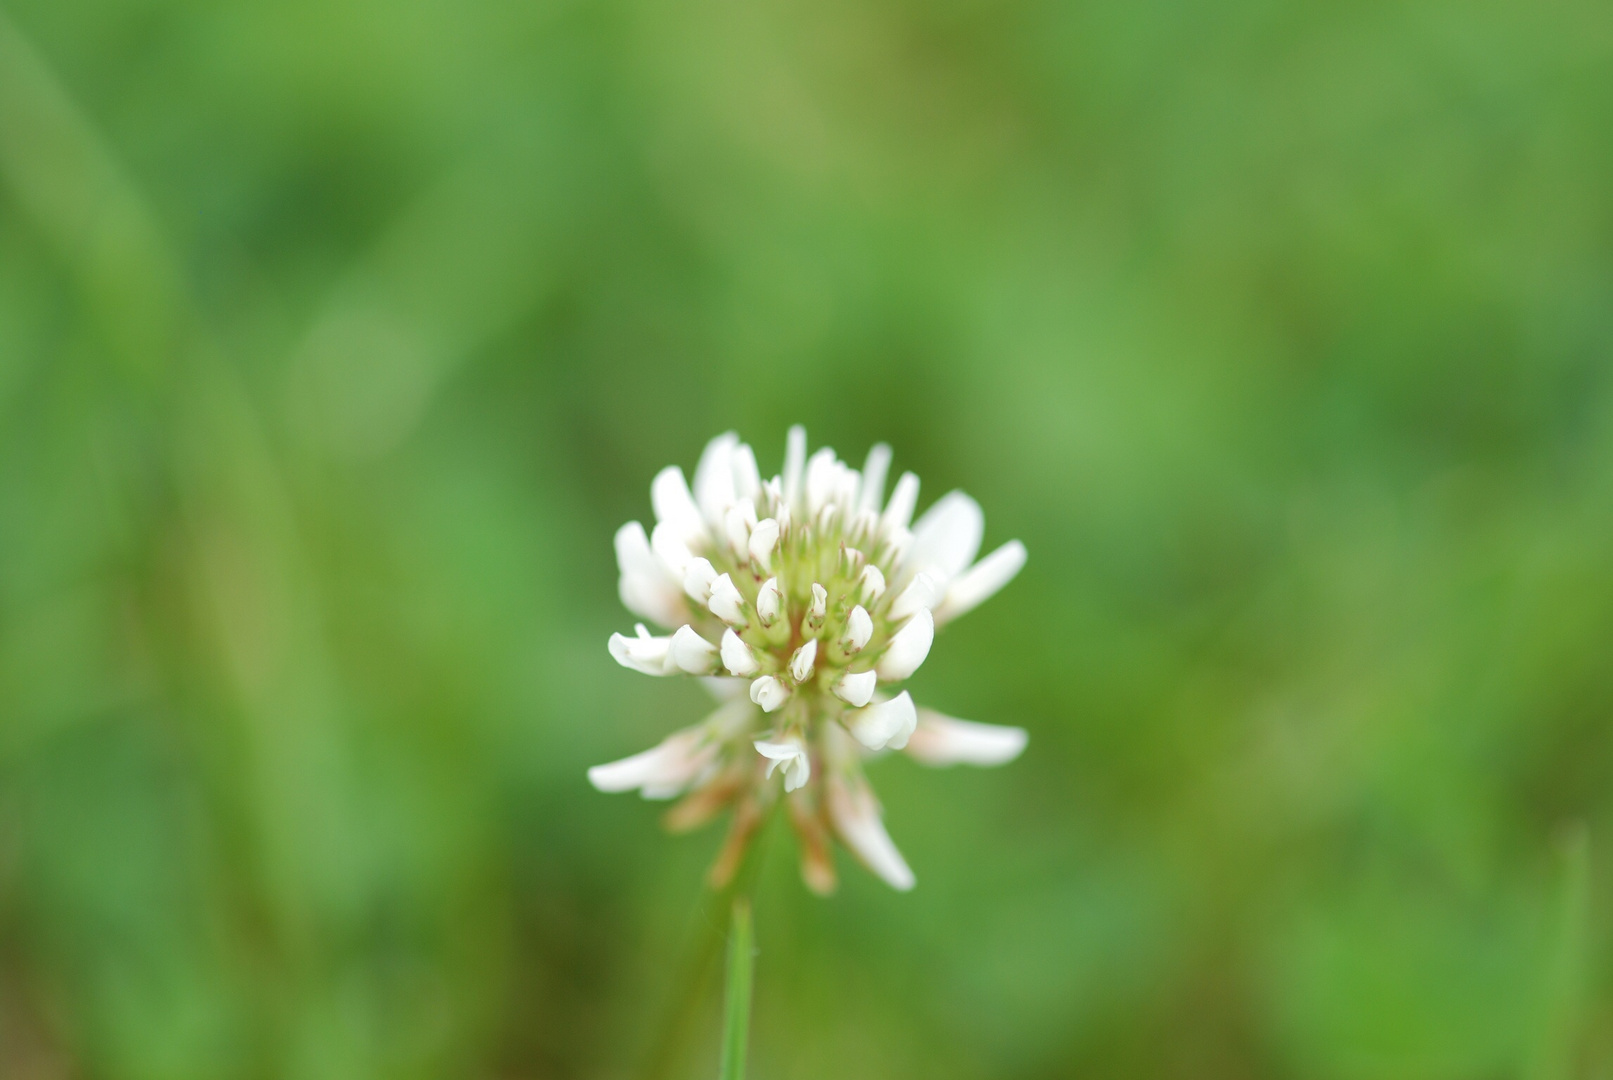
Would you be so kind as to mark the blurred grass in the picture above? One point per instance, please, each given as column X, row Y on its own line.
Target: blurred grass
column 335, row 340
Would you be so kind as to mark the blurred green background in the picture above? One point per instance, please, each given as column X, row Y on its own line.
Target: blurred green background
column 337, row 337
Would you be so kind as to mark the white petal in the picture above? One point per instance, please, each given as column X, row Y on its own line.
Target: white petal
column 777, row 751
column 669, row 547
column 945, row 740
column 859, row 628
column 747, row 477
column 856, row 819
column 899, row 511
column 769, row 602
column 736, row 523
column 846, row 485
column 856, row 687
column 795, row 444
column 633, row 554
column 908, row 648
column 727, row 603
column 978, row 583
column 769, row 693
column 820, row 601
column 650, row 598
column 822, row 480
column 763, row 539
column 803, row 660
column 651, row 655
column 674, row 506
column 873, row 583
column 894, row 549
column 737, row 656
column 693, row 653
column 947, row 537
column 871, row 489
column 921, row 594
column 886, row 723
column 628, row 773
column 852, row 561
column 698, row 577
column 662, row 771
column 791, row 754
column 645, row 587
column 714, row 478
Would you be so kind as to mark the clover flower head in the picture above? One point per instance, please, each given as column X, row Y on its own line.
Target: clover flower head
column 801, row 600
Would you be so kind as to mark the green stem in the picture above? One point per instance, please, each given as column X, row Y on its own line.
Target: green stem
column 736, row 1014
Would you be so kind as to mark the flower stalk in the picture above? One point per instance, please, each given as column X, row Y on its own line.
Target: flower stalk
column 736, row 1010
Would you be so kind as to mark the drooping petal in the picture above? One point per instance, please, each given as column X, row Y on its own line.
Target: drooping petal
column 856, row 687
column 884, row 724
column 981, row 581
column 737, row 656
column 693, row 653
column 856, row 817
column 944, row 740
column 790, row 754
column 714, row 478
column 675, row 507
column 651, row 655
column 908, row 648
column 662, row 771
column 947, row 537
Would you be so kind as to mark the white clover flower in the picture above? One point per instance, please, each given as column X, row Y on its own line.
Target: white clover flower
column 810, row 591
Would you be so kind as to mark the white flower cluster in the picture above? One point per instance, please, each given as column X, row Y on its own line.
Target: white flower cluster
column 801, row 599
